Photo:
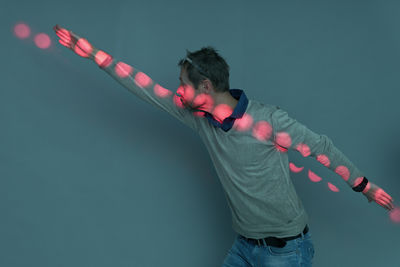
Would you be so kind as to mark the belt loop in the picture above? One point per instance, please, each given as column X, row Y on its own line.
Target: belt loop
column 264, row 242
column 302, row 235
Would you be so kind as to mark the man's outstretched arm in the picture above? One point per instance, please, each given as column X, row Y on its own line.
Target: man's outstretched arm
column 290, row 134
column 131, row 78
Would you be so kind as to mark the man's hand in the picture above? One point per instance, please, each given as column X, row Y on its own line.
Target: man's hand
column 374, row 193
column 74, row 42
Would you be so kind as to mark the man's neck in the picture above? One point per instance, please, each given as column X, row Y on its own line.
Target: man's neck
column 224, row 105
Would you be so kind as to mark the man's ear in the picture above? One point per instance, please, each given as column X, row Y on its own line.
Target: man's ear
column 207, row 86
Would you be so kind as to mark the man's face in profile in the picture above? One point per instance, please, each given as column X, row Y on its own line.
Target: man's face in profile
column 187, row 90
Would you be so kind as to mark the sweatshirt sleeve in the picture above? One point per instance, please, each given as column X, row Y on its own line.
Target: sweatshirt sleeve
column 288, row 133
column 148, row 90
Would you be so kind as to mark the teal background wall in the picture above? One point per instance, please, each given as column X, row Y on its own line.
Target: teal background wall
column 90, row 175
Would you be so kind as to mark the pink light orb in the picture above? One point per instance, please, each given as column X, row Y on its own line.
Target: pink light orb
column 142, row 80
column 303, row 149
column 83, row 48
column 244, row 123
column 343, row 171
column 324, row 160
column 395, row 215
column 283, row 139
column 262, row 130
column 203, row 102
column 103, row 59
column 123, row 70
column 313, row 177
column 22, row 30
column 333, row 188
column 161, row 91
column 294, row 168
column 42, row 41
column 222, row 111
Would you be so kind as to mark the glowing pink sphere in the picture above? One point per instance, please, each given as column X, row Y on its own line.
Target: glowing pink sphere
column 313, row 177
column 395, row 215
column 244, row 123
column 123, row 70
column 42, row 41
column 161, row 91
column 262, row 130
column 142, row 80
column 294, row 168
column 22, row 31
column 333, row 188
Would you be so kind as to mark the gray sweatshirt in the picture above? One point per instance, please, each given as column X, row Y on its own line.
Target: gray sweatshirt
column 249, row 153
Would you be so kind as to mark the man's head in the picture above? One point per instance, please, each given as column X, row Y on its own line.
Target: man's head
column 204, row 73
column 206, row 64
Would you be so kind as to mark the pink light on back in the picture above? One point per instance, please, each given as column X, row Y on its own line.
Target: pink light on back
column 244, row 123
column 333, row 188
column 22, row 30
column 303, row 149
column 262, row 130
column 324, row 160
column 142, row 80
column 42, row 41
column 123, row 70
column 294, row 168
column 343, row 171
column 161, row 91
column 313, row 177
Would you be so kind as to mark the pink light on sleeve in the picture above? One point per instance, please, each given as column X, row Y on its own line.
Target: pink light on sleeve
column 83, row 48
column 142, row 80
column 42, row 41
column 22, row 30
column 294, row 168
column 161, row 92
column 324, row 160
column 303, row 149
column 313, row 177
column 343, row 171
column 395, row 215
column 262, row 130
column 102, row 59
column 123, row 70
column 244, row 123
column 333, row 188
column 283, row 139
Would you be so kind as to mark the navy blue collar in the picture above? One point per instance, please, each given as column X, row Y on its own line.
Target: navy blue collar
column 238, row 112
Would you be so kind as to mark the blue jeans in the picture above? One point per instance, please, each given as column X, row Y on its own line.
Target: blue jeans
column 297, row 252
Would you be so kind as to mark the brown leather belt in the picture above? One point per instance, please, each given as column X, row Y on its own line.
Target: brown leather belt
column 274, row 241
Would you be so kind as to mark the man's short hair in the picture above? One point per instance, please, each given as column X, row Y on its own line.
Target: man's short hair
column 206, row 63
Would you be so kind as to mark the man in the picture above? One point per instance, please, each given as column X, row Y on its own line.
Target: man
column 248, row 143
